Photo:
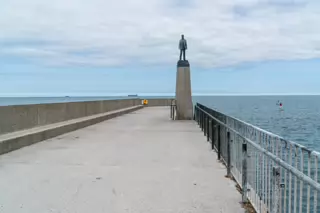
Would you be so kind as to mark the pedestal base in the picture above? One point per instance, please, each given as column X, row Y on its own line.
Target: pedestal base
column 183, row 92
column 182, row 63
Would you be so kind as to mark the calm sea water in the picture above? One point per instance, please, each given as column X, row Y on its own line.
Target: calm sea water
column 299, row 122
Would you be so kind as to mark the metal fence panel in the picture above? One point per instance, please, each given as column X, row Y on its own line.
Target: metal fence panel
column 276, row 175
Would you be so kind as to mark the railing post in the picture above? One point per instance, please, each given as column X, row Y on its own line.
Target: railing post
column 213, row 134
column 202, row 120
column 219, row 142
column 194, row 113
column 208, row 130
column 244, row 172
column 171, row 112
column 229, row 155
column 199, row 114
column 276, row 190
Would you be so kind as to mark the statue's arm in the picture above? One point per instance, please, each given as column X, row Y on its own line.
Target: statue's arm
column 186, row 45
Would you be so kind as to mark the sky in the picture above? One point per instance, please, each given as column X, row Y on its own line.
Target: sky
column 104, row 47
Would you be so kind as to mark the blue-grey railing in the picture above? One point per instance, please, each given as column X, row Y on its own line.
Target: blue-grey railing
column 275, row 175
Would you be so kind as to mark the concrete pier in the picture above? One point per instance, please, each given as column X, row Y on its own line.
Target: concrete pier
column 183, row 92
column 140, row 162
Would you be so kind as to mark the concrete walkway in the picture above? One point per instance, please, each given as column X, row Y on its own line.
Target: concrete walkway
column 137, row 163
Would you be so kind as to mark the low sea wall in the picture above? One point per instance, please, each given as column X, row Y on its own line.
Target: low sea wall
column 160, row 102
column 20, row 117
column 24, row 125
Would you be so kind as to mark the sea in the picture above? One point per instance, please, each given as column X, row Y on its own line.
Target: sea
column 299, row 121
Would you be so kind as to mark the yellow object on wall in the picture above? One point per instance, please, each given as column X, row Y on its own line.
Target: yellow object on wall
column 145, row 102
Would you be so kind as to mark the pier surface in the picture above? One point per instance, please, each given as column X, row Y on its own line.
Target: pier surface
column 141, row 162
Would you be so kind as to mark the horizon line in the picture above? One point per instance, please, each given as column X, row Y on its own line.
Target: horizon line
column 149, row 94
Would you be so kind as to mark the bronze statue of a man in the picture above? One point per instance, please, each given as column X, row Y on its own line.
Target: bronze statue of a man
column 183, row 47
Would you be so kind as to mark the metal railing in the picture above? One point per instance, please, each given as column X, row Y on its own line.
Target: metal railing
column 275, row 175
column 173, row 110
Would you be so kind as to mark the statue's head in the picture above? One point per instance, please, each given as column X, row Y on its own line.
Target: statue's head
column 182, row 36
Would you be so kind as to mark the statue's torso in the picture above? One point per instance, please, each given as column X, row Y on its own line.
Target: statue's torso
column 182, row 44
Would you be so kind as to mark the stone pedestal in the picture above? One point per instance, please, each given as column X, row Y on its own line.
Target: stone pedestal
column 183, row 92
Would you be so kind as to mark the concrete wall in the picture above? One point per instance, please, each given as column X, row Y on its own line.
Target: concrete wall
column 159, row 102
column 15, row 118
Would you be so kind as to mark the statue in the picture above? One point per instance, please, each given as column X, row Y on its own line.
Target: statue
column 183, row 47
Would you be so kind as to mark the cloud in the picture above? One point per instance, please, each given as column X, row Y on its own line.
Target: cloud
column 146, row 32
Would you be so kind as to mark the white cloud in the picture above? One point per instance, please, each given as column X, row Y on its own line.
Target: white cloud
column 111, row 33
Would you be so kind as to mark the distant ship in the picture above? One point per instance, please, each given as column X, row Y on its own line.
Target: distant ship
column 133, row 95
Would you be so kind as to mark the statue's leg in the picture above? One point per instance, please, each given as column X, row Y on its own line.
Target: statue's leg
column 180, row 55
column 184, row 55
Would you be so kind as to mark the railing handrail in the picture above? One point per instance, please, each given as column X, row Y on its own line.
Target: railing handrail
column 312, row 152
column 267, row 167
column 276, row 159
column 282, row 163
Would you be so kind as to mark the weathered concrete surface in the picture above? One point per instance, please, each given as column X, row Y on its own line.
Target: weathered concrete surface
column 183, row 94
column 16, row 118
column 16, row 140
column 136, row 163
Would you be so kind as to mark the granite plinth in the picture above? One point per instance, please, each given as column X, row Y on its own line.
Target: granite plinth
column 183, row 93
